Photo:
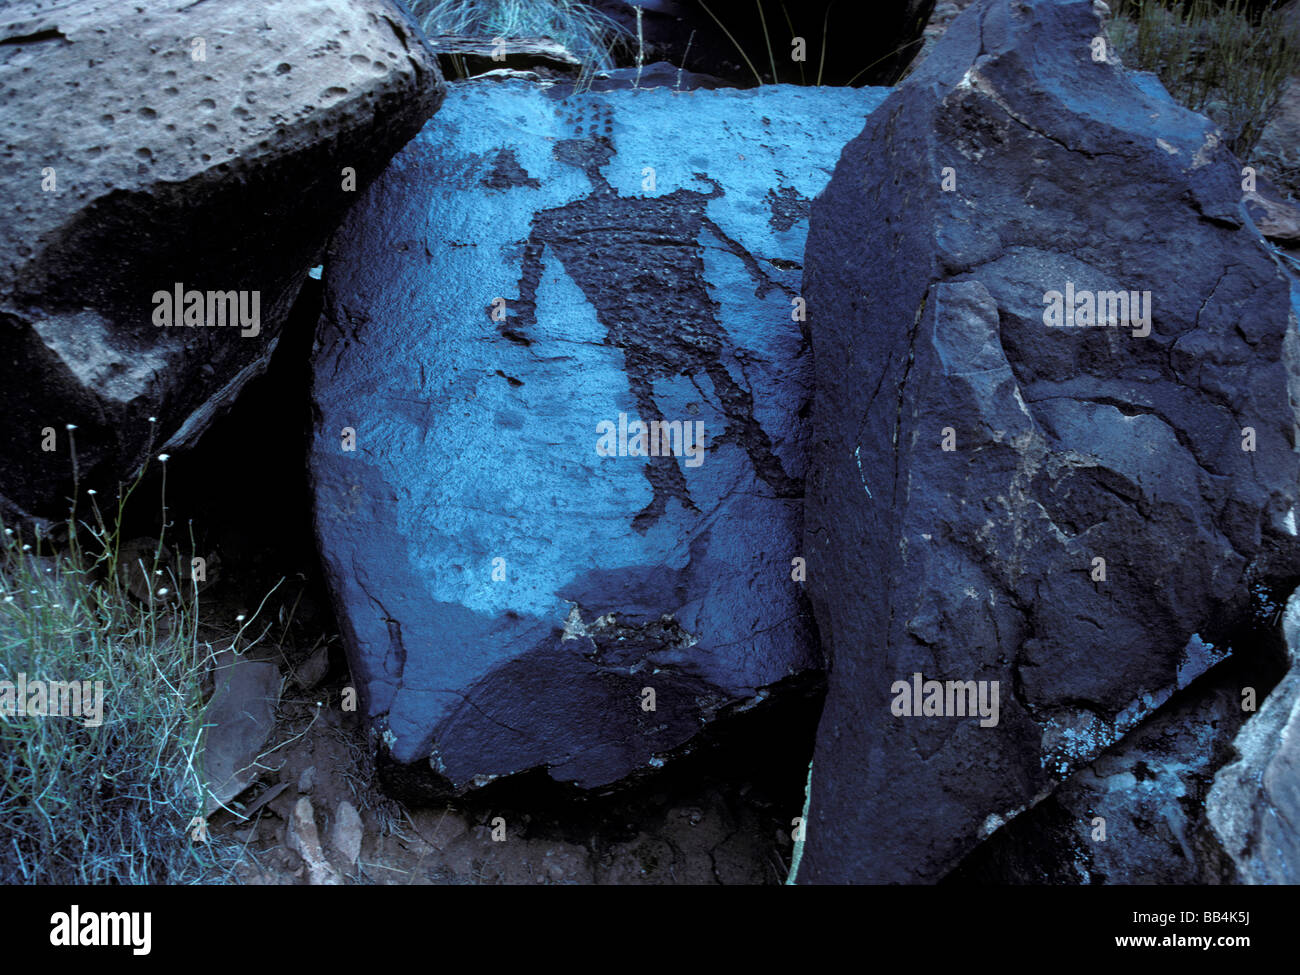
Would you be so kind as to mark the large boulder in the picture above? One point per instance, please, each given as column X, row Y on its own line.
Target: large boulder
column 978, row 448
column 534, row 275
column 153, row 143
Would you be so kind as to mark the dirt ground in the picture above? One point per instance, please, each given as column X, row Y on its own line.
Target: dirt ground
column 694, row 827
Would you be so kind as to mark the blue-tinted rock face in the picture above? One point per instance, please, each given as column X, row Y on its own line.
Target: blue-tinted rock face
column 533, row 277
column 976, row 449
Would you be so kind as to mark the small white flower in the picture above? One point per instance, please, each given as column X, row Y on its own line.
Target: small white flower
column 92, row 491
column 153, row 419
column 162, row 591
column 164, row 458
column 71, row 426
column 27, row 548
column 239, row 618
column 9, row 599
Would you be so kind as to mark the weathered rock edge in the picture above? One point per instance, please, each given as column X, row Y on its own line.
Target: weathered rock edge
column 976, row 564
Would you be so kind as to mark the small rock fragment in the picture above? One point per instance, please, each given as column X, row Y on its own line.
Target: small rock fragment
column 346, row 833
column 304, row 840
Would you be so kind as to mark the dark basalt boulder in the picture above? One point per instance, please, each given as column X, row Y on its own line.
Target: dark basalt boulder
column 972, row 459
column 535, row 273
column 149, row 143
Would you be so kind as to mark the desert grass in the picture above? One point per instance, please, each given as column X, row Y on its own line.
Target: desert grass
column 1215, row 58
column 121, row 802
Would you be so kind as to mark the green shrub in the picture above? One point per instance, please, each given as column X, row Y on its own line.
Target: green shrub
column 1215, row 58
column 114, row 803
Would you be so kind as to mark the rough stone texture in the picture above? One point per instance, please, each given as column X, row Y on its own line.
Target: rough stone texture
column 1149, row 790
column 346, row 834
column 943, row 14
column 1254, row 807
column 240, row 717
column 303, row 837
column 1276, row 218
column 222, row 174
column 1072, row 443
column 476, row 438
